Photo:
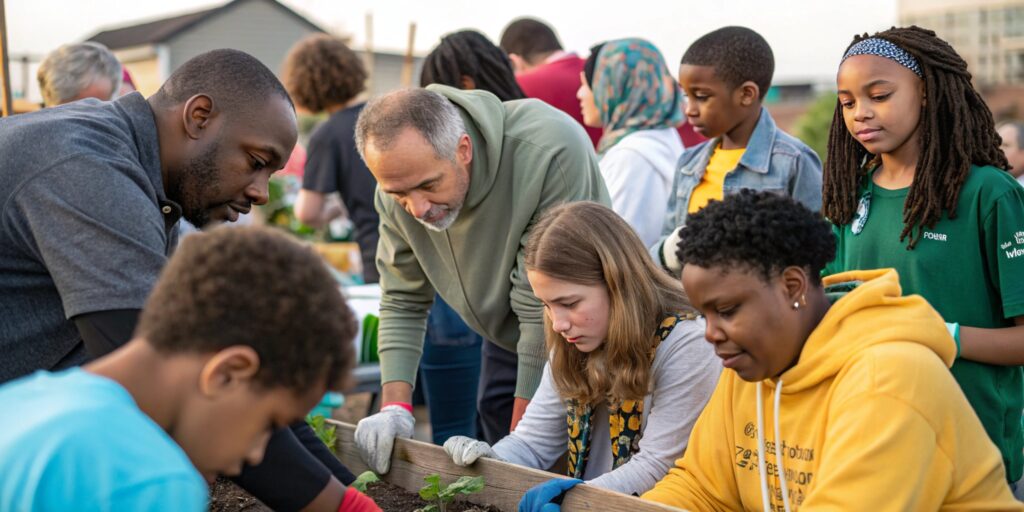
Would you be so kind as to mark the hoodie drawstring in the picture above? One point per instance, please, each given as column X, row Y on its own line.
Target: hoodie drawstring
column 761, row 463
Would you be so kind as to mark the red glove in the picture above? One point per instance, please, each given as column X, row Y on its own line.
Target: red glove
column 355, row 501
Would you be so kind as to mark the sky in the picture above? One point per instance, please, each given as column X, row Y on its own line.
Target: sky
column 807, row 36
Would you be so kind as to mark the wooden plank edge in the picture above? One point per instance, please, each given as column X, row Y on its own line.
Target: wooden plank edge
column 411, row 460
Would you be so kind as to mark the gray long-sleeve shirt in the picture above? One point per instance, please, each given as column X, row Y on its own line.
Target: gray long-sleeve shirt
column 684, row 374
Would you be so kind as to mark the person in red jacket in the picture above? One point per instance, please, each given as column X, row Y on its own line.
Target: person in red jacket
column 548, row 73
column 543, row 69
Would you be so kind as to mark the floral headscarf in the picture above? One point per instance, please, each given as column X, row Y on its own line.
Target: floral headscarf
column 634, row 90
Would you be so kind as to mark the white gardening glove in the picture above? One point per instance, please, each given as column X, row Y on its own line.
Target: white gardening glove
column 375, row 436
column 668, row 253
column 466, row 450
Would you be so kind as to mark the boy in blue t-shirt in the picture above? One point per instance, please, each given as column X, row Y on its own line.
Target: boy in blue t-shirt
column 242, row 335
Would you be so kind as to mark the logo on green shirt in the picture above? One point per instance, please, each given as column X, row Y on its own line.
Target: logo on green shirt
column 1018, row 237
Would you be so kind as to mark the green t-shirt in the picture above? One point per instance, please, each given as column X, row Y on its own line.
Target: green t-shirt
column 971, row 270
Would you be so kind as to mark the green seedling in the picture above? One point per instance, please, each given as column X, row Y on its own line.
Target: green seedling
column 441, row 496
column 366, row 478
column 324, row 431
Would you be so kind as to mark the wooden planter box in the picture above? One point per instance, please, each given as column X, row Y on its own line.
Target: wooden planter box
column 506, row 483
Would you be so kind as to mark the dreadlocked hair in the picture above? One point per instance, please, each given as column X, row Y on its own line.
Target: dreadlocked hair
column 469, row 53
column 953, row 108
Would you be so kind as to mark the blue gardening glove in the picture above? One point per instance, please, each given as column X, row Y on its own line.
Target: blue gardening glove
column 541, row 497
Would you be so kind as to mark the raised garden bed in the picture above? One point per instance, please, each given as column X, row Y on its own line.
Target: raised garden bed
column 391, row 498
column 506, row 483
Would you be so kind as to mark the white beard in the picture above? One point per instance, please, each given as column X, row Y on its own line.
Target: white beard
column 443, row 224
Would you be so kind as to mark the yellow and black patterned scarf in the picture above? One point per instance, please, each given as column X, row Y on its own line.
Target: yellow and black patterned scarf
column 624, row 418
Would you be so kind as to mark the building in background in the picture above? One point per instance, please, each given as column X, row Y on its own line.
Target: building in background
column 988, row 34
column 265, row 29
column 152, row 50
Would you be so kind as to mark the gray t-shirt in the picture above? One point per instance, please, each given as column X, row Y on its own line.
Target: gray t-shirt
column 85, row 225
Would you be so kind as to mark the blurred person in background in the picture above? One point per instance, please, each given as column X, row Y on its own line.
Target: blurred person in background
column 1012, row 133
column 543, row 69
column 467, row 60
column 77, row 71
column 322, row 74
column 627, row 90
column 127, row 84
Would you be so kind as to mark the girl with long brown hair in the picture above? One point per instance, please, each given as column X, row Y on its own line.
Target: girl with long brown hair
column 628, row 370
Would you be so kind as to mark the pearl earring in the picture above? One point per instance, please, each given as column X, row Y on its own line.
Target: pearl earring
column 796, row 305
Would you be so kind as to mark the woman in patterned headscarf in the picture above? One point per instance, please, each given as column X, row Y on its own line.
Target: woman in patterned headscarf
column 627, row 90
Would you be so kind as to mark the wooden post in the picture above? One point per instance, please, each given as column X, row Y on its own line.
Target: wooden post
column 368, row 58
column 505, row 483
column 25, row 76
column 407, row 66
column 5, row 76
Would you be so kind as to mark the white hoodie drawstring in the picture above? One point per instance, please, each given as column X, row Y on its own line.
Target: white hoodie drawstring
column 761, row 452
column 779, row 452
column 761, row 464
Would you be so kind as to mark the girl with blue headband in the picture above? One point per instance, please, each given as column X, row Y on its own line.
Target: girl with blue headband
column 915, row 181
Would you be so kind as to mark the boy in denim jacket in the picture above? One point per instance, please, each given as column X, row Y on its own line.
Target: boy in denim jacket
column 726, row 74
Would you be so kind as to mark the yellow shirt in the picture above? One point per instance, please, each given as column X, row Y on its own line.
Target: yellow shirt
column 722, row 162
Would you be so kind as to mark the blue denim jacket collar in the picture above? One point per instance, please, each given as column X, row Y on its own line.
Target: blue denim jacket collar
column 756, row 157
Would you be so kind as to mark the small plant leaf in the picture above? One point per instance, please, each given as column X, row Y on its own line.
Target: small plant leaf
column 464, row 485
column 325, row 432
column 432, row 490
column 367, row 477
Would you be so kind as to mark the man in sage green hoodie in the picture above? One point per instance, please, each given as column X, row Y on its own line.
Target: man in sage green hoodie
column 461, row 179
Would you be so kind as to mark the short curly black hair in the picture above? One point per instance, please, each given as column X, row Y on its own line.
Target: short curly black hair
column 759, row 230
column 321, row 71
column 738, row 54
column 254, row 286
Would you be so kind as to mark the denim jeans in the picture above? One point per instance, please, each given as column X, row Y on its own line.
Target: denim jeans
column 498, row 374
column 450, row 373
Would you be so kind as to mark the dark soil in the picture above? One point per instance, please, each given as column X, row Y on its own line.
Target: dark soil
column 225, row 496
column 395, row 499
column 228, row 497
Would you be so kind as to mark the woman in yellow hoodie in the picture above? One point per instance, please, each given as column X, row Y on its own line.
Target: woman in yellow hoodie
column 837, row 393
